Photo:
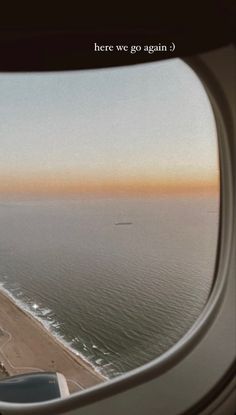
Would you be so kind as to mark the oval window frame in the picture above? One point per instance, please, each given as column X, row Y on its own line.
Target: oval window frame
column 161, row 376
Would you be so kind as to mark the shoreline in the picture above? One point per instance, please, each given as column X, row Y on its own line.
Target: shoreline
column 24, row 307
column 26, row 346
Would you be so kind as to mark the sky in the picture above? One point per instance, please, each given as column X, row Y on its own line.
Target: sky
column 142, row 129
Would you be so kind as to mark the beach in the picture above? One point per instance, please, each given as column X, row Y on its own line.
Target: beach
column 27, row 346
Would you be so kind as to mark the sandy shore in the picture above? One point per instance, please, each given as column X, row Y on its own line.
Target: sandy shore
column 26, row 346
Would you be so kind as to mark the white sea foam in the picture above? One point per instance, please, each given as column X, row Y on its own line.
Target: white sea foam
column 45, row 311
column 19, row 293
column 50, row 326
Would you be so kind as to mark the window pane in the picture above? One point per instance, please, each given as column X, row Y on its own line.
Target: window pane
column 109, row 210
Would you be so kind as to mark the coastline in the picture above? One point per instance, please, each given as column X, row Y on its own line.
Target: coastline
column 27, row 346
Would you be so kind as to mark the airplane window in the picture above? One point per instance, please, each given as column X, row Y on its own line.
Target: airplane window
column 109, row 213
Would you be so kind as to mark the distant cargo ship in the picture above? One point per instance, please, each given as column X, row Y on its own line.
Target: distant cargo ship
column 124, row 223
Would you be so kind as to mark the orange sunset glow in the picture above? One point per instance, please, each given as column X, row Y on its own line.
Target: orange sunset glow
column 62, row 186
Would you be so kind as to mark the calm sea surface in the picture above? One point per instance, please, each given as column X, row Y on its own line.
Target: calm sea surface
column 120, row 295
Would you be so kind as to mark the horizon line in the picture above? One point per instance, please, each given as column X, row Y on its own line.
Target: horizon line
column 55, row 187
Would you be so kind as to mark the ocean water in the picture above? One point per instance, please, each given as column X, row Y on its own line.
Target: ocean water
column 119, row 295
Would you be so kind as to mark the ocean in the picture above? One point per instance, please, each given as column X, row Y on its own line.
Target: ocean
column 119, row 280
